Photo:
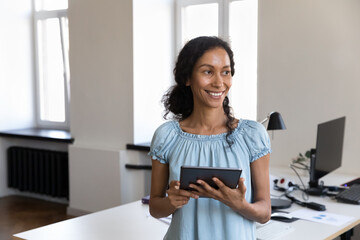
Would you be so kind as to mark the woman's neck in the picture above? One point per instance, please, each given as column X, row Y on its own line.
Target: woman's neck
column 208, row 122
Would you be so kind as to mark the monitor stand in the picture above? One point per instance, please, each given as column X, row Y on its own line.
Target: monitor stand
column 314, row 188
column 317, row 191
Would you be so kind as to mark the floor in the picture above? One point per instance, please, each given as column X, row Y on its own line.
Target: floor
column 18, row 214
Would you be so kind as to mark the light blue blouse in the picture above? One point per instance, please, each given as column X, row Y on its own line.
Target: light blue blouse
column 206, row 218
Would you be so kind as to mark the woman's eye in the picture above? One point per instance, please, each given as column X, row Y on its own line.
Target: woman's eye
column 226, row 72
column 207, row 72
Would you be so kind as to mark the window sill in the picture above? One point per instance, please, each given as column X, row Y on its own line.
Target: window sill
column 40, row 134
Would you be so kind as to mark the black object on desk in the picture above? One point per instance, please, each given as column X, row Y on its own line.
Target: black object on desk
column 311, row 205
column 348, row 184
column 146, row 199
column 350, row 195
column 282, row 216
column 328, row 153
column 280, row 203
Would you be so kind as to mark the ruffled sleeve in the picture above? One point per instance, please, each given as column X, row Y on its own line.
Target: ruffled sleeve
column 161, row 142
column 257, row 140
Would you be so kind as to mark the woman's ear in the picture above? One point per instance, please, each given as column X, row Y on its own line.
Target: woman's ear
column 187, row 82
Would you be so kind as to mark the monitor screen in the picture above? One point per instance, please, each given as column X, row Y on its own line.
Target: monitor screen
column 329, row 146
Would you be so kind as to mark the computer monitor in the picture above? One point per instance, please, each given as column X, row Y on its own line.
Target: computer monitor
column 328, row 153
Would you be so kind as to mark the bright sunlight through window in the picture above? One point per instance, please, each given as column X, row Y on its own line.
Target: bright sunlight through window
column 52, row 47
column 207, row 24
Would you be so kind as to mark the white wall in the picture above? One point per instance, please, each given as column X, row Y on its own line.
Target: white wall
column 101, row 57
column 101, row 47
column 109, row 41
column 16, row 74
column 308, row 70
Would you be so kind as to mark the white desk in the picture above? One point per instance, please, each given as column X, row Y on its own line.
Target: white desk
column 312, row 230
column 131, row 221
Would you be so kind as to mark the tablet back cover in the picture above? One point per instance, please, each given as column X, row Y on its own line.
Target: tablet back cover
column 190, row 174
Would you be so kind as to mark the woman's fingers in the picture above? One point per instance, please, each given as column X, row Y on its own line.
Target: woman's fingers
column 178, row 197
column 197, row 189
column 222, row 193
column 204, row 189
column 174, row 184
column 219, row 183
column 228, row 196
column 241, row 185
column 178, row 201
column 174, row 188
column 181, row 193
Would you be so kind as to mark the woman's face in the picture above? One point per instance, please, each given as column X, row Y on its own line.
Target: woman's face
column 211, row 79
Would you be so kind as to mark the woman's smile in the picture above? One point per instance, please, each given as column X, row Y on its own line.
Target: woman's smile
column 215, row 94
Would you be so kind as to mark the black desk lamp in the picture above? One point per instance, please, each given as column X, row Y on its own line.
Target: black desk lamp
column 276, row 123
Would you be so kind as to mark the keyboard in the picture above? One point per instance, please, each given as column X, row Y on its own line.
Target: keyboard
column 272, row 230
column 350, row 195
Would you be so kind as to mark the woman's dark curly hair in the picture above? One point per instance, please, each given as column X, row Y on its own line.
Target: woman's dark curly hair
column 179, row 99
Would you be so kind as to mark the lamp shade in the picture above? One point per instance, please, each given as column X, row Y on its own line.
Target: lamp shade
column 276, row 122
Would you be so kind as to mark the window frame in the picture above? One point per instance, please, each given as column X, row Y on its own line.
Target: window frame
column 223, row 27
column 61, row 16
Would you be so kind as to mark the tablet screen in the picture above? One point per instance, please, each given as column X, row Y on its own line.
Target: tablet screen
column 190, row 174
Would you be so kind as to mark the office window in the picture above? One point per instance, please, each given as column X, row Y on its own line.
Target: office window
column 235, row 21
column 52, row 63
column 207, row 24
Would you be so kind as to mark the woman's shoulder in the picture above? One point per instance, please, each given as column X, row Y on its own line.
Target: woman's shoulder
column 245, row 125
column 164, row 132
column 256, row 138
column 165, row 127
column 250, row 128
column 251, row 124
column 163, row 140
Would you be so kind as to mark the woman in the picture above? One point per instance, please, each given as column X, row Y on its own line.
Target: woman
column 204, row 133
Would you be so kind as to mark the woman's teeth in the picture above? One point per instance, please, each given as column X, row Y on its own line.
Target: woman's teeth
column 215, row 94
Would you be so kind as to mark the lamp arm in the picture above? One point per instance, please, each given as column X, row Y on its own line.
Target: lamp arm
column 263, row 121
column 267, row 118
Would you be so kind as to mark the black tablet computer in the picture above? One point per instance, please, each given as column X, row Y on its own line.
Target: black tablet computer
column 190, row 174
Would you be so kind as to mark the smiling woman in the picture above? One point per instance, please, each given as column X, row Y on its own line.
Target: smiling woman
column 194, row 57
column 204, row 133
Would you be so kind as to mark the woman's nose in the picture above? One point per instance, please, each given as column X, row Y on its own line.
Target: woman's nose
column 218, row 80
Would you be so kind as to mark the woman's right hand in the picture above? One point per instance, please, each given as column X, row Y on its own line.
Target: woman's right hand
column 179, row 197
column 161, row 205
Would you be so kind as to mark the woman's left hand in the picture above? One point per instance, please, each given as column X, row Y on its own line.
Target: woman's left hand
column 234, row 198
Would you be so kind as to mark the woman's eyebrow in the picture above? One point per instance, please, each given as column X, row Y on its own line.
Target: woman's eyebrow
column 209, row 65
column 206, row 65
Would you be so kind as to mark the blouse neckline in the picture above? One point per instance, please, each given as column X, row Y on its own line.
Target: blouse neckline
column 207, row 137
